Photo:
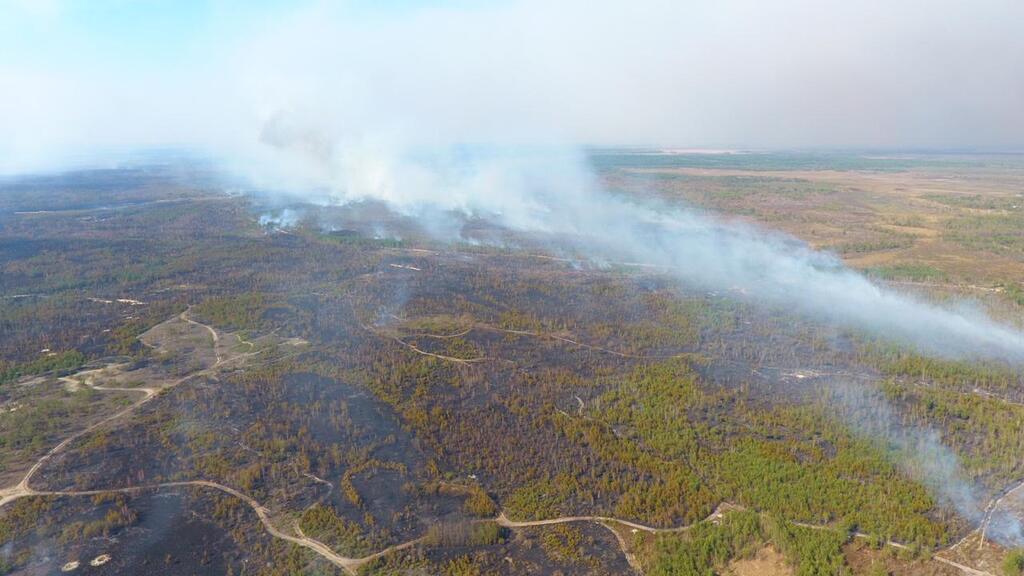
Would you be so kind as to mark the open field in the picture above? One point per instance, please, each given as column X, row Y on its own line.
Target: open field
column 953, row 225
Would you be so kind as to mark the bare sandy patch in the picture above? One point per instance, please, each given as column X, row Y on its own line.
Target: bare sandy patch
column 766, row 562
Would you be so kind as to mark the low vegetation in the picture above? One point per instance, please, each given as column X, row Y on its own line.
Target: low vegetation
column 606, row 391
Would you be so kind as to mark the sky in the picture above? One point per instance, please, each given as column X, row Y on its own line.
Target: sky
column 87, row 76
column 365, row 100
column 368, row 104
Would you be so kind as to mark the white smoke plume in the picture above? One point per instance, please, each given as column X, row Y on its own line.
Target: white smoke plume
column 340, row 102
column 346, row 107
column 550, row 191
column 78, row 77
column 922, row 455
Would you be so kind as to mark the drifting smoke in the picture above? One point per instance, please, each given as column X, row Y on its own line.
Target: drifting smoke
column 355, row 107
column 343, row 104
column 550, row 191
column 922, row 455
column 280, row 219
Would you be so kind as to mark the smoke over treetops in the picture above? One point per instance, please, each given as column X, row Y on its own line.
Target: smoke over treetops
column 551, row 191
column 347, row 102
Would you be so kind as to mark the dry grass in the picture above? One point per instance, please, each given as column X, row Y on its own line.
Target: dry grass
column 960, row 222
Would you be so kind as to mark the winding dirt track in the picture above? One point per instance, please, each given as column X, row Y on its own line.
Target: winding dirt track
column 349, row 565
column 22, row 488
column 213, row 334
column 963, row 568
column 413, row 347
column 992, row 510
column 503, row 520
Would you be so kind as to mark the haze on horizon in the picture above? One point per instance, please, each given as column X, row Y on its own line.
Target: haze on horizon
column 347, row 97
column 85, row 77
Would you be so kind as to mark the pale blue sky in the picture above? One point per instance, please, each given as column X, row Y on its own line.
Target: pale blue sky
column 84, row 74
column 151, row 32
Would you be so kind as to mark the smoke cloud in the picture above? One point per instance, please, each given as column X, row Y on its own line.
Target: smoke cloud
column 549, row 191
column 346, row 102
column 921, row 454
column 346, row 105
column 349, row 101
column 78, row 77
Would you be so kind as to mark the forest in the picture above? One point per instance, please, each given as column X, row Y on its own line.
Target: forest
column 185, row 390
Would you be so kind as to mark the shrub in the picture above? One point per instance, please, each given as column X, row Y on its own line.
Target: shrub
column 463, row 534
column 479, row 504
column 1013, row 564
